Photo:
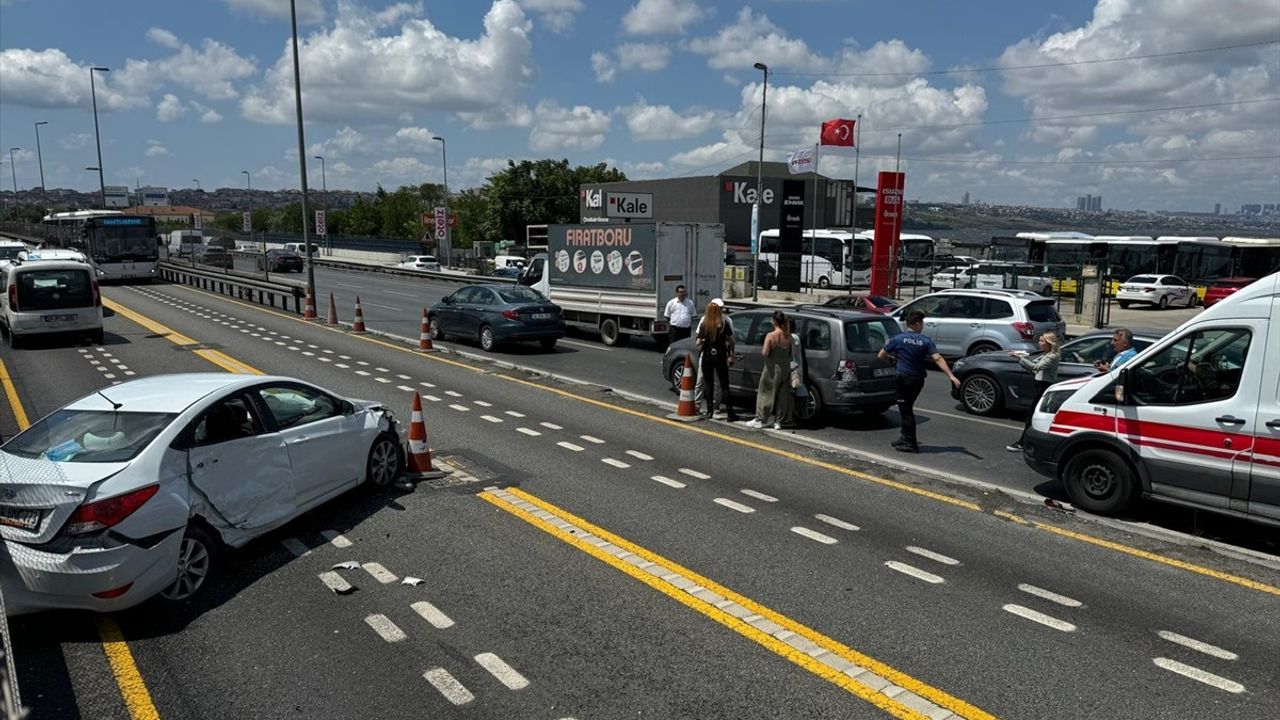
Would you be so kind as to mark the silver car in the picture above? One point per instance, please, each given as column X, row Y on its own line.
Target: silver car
column 970, row 322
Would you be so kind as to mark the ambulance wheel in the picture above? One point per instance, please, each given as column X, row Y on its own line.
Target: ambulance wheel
column 1100, row 481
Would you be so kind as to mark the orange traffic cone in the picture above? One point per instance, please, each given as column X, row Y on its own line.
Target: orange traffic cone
column 358, row 325
column 424, row 334
column 687, row 410
column 333, row 312
column 418, row 464
column 309, row 311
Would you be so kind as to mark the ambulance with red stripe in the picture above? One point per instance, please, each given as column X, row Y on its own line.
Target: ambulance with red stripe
column 1193, row 420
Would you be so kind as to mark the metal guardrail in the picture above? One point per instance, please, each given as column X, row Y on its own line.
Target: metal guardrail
column 402, row 272
column 237, row 285
column 10, row 697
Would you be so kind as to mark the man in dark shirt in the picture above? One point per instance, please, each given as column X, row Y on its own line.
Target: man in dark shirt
column 911, row 351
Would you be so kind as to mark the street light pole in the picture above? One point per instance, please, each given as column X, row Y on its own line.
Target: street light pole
column 324, row 184
column 40, row 161
column 97, row 136
column 302, row 154
column 14, row 172
column 444, row 160
column 755, row 207
column 197, row 182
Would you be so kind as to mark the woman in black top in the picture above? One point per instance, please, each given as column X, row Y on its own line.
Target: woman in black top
column 715, row 342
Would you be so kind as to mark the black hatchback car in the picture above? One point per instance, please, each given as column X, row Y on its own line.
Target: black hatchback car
column 994, row 382
column 494, row 314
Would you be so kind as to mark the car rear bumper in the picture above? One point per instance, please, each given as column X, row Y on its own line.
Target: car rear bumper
column 35, row 580
column 857, row 395
column 1041, row 450
column 1138, row 297
column 529, row 332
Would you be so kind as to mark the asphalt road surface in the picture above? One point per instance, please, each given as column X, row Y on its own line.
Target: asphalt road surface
column 592, row 559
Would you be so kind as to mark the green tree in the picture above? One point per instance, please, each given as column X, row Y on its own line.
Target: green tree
column 536, row 192
column 471, row 208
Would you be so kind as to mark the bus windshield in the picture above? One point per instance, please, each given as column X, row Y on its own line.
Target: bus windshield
column 129, row 243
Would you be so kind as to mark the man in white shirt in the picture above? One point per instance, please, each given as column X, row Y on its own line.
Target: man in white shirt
column 679, row 314
column 697, row 386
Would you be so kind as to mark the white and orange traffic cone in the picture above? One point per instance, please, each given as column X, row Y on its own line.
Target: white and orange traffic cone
column 687, row 410
column 358, row 325
column 418, row 462
column 333, row 312
column 424, row 334
column 309, row 310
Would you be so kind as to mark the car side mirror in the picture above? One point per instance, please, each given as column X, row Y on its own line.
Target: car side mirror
column 1122, row 387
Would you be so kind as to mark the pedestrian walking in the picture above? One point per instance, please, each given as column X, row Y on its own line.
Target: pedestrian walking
column 1122, row 343
column 699, row 384
column 679, row 314
column 716, row 343
column 910, row 351
column 1044, row 368
column 773, row 394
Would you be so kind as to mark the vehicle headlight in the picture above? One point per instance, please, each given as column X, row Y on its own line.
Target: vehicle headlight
column 1053, row 401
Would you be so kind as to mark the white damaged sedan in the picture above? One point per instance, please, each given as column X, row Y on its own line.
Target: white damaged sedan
column 132, row 491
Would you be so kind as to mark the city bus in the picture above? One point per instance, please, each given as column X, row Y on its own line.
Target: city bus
column 823, row 259
column 1201, row 261
column 122, row 247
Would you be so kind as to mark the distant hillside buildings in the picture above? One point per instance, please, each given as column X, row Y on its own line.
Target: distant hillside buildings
column 1089, row 203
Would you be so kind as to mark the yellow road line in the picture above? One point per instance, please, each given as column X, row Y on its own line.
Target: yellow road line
column 897, row 709
column 137, row 699
column 219, row 358
column 11, row 392
column 132, row 689
column 1046, row 527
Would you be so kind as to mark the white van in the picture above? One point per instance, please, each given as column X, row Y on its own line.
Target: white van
column 1193, row 420
column 49, row 296
column 301, row 248
column 9, row 249
column 515, row 261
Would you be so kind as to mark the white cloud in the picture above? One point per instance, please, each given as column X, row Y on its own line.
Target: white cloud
column 309, row 11
column 403, row 170
column 557, row 14
column 355, row 70
column 170, row 108
column 346, row 142
column 660, row 122
column 130, row 174
column 662, row 17
column 754, row 38
column 649, row 57
column 558, row 128
column 207, row 114
column 164, row 38
column 415, row 138
column 75, row 141
column 604, row 66
column 210, row 70
column 509, row 116
column 49, row 79
column 156, row 149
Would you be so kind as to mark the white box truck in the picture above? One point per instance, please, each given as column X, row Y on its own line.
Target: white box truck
column 617, row 278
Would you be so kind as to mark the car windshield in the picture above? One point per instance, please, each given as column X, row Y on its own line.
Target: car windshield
column 869, row 336
column 1143, row 279
column 89, row 436
column 520, row 294
column 1042, row 311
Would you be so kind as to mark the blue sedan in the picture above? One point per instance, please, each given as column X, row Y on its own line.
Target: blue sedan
column 494, row 314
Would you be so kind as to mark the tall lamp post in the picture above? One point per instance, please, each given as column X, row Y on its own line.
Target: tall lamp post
column 755, row 206
column 197, row 182
column 97, row 136
column 324, row 184
column 13, row 171
column 302, row 153
column 444, row 161
column 248, row 184
column 40, row 161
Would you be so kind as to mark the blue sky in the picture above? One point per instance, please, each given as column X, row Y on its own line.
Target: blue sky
column 659, row 88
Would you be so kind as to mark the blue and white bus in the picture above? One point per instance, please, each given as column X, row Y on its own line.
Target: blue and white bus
column 122, row 247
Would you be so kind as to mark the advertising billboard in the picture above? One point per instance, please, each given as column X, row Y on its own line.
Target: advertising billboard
column 621, row 257
column 790, row 235
column 884, row 248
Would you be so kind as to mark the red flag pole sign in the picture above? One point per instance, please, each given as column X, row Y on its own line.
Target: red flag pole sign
column 888, row 226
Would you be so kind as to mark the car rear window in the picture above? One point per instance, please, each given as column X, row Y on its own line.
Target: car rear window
column 54, row 289
column 1042, row 311
column 869, row 335
column 1145, row 279
column 520, row 295
column 89, row 436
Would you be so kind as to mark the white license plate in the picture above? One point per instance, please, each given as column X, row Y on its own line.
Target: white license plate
column 544, row 316
column 24, row 518
column 59, row 318
column 884, row 372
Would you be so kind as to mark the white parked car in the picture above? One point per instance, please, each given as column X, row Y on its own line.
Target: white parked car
column 1159, row 290
column 420, row 262
column 133, row 491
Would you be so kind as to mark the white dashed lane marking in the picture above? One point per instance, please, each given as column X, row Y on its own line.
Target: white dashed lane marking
column 363, row 373
column 1199, row 675
column 335, row 582
column 936, row 557
column 570, row 446
column 592, row 439
column 639, row 455
column 491, row 418
column 452, row 393
column 505, row 674
column 336, row 539
column 528, row 431
column 836, row 522
column 814, row 535
column 386, row 629
column 758, row 495
column 379, row 573
column 1050, row 596
column 734, row 505
column 449, row 687
column 1198, row 645
column 914, row 572
column 460, row 408
column 695, row 474
column 1039, row 617
column 550, row 426
column 432, row 614
column 405, row 388
column 615, row 463
column 668, row 481
column 482, row 403
column 514, row 414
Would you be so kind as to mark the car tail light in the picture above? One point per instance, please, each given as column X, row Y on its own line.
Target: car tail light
column 107, row 513
column 13, row 298
column 108, row 594
column 1148, row 290
column 846, row 370
column 511, row 314
column 97, row 294
column 1025, row 329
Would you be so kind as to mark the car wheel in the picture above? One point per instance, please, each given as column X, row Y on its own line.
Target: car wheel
column 548, row 343
column 807, row 410
column 197, row 560
column 983, row 348
column 1193, row 301
column 487, row 341
column 981, row 394
column 611, row 333
column 433, row 328
column 676, row 374
column 824, row 282
column 1124, row 304
column 1099, row 481
column 1047, row 291
column 383, row 466
column 1164, row 302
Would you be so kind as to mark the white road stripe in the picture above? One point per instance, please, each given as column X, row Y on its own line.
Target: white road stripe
column 1040, row 617
column 404, row 377
column 449, row 687
column 432, row 614
column 814, row 535
column 427, row 384
column 382, row 369
column 570, row 446
column 491, row 419
column 695, row 474
column 592, row 439
column 1050, row 595
column 734, row 505
column 363, row 373
column 362, row 363
column 452, row 393
column 384, row 381
column 1197, row 674
column 386, row 629
column 335, row 582
column 460, row 408
column 295, row 546
column 379, row 573
column 405, row 388
column 836, row 522
column 498, row 668
column 432, row 398
column 328, row 352
column 336, row 539
column 758, row 495
column 669, row 482
column 550, row 426
column 936, row 557
column 528, row 431
column 1198, row 646
column 482, row 403
column 344, row 366
column 914, row 572
column 514, row 414
column 615, row 463
column 639, row 455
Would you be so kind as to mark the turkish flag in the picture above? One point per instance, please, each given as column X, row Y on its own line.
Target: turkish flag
column 837, row 132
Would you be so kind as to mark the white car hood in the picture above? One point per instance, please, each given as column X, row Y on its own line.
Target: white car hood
column 55, row 489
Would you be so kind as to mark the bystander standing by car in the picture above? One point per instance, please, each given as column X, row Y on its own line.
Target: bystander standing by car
column 679, row 312
column 773, row 395
column 1044, row 368
column 716, row 345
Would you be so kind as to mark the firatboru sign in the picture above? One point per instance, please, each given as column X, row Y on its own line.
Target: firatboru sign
column 629, row 205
